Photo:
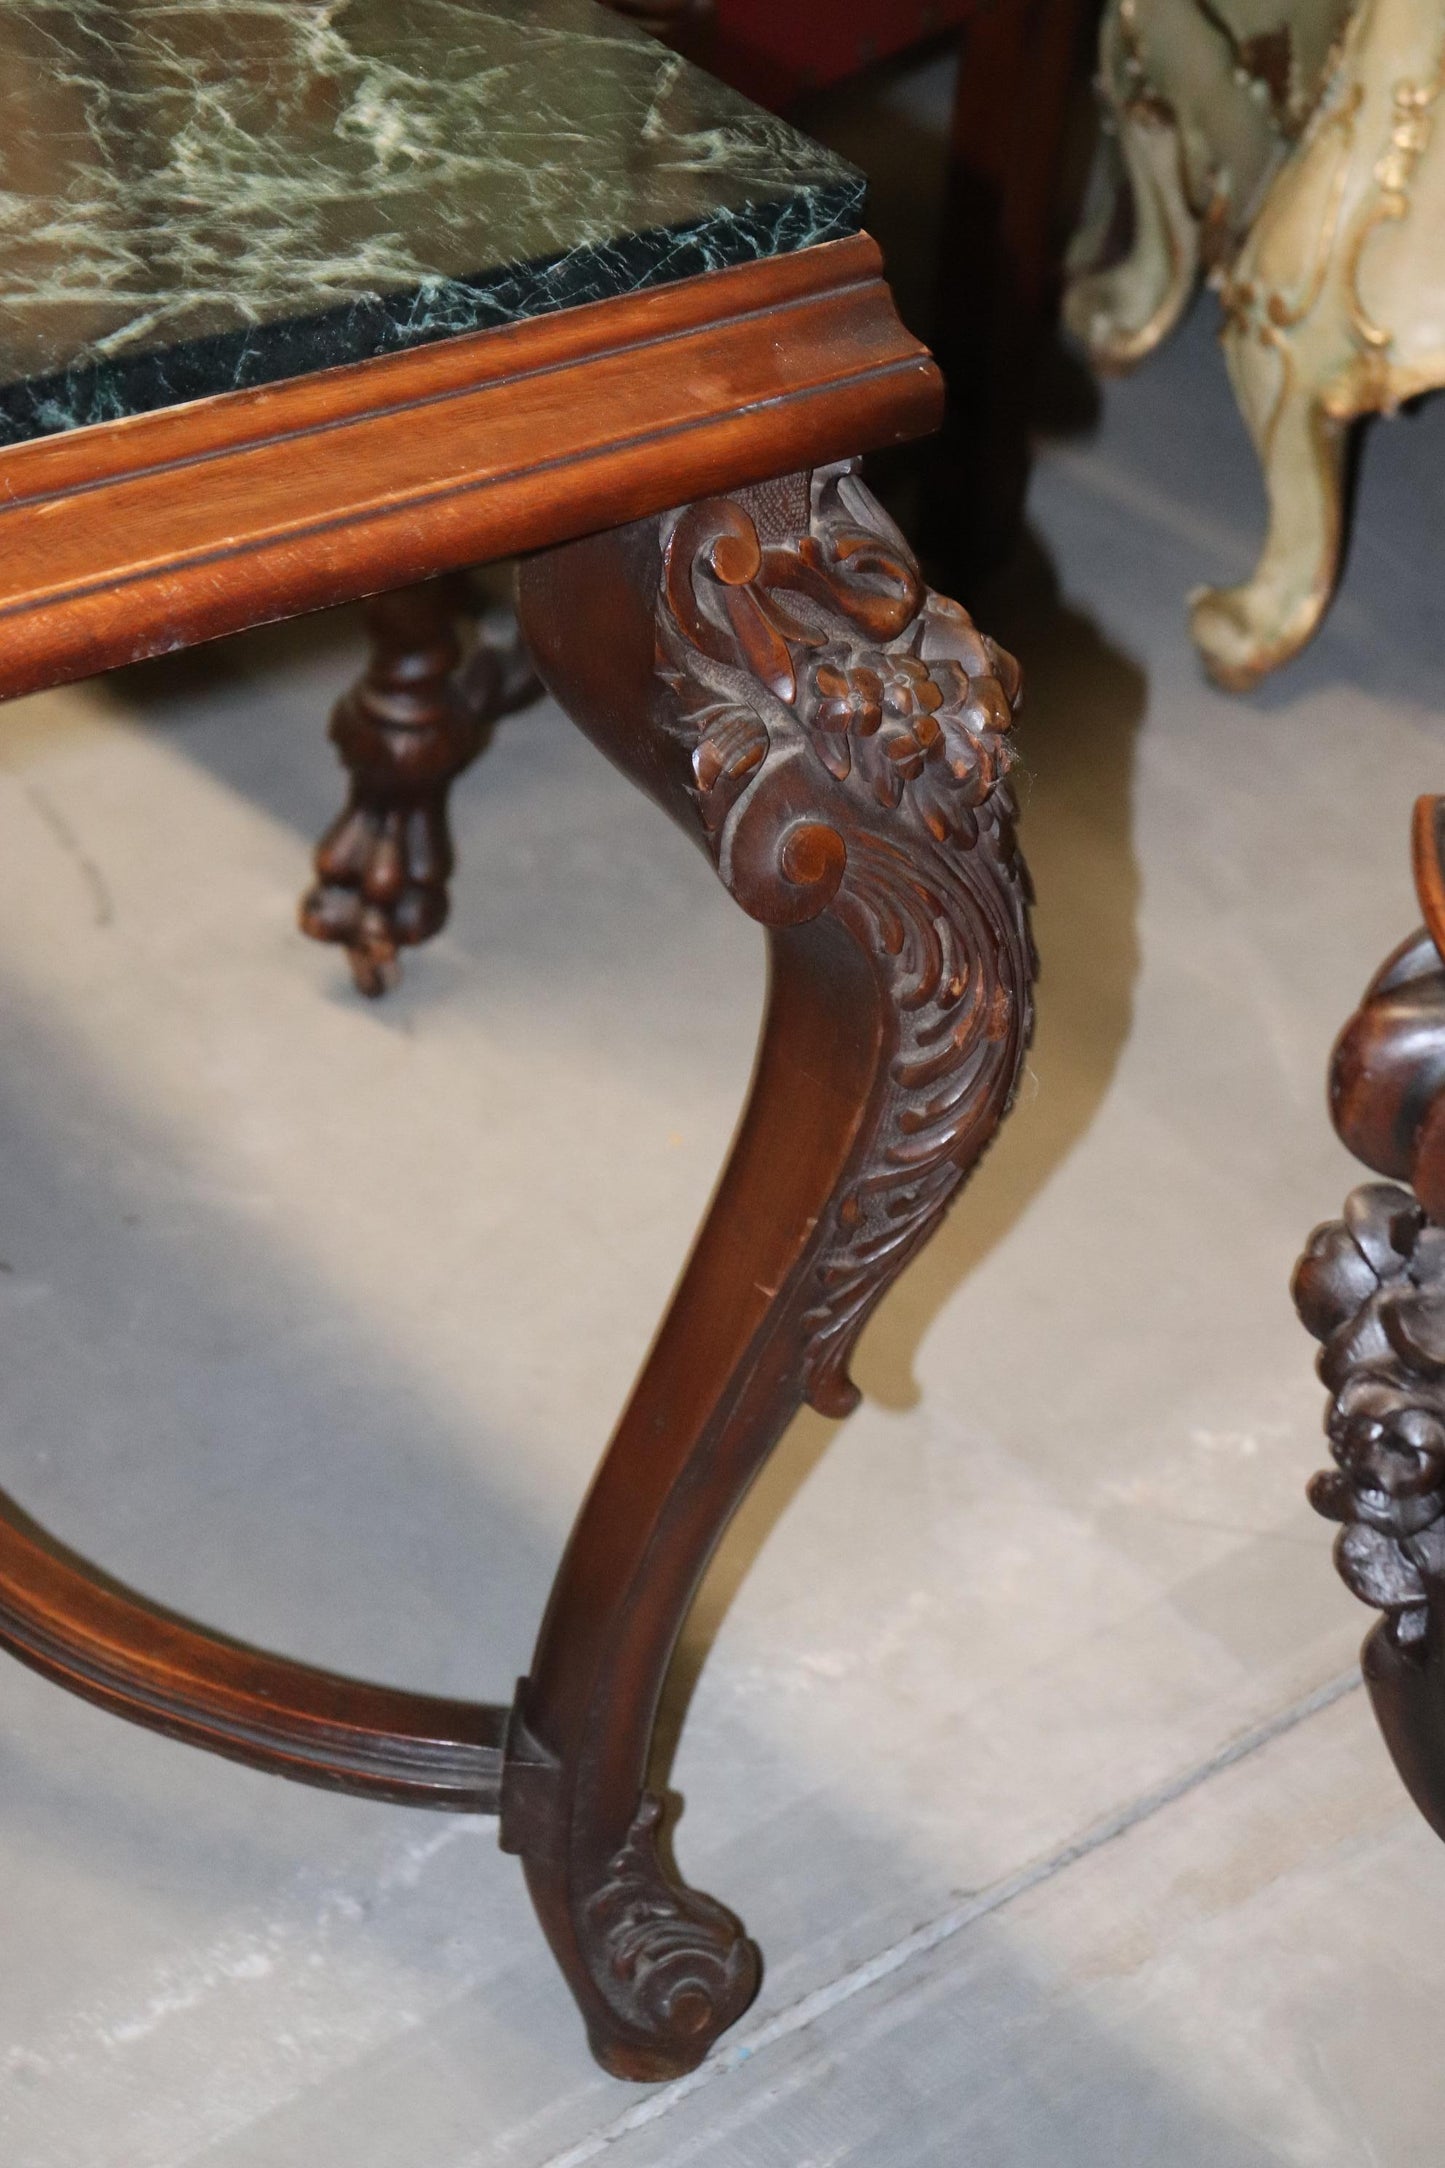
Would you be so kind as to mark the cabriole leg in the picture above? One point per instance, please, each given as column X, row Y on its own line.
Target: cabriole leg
column 1243, row 632
column 1122, row 313
column 770, row 668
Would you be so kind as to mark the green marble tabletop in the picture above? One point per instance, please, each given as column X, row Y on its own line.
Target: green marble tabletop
column 197, row 195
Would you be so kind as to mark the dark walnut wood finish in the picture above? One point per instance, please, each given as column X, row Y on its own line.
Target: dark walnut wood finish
column 65, row 1620
column 764, row 660
column 402, row 468
column 1371, row 1287
column 405, row 732
column 770, row 668
column 205, row 519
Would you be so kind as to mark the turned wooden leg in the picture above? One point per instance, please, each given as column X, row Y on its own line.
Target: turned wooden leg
column 1371, row 1287
column 770, row 668
column 405, row 732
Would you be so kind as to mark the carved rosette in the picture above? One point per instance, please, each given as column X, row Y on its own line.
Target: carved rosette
column 1371, row 1286
column 849, row 740
column 675, row 1963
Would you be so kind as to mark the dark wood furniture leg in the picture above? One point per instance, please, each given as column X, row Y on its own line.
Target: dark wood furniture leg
column 770, row 668
column 1002, row 229
column 1000, row 268
column 1371, row 1287
column 410, row 725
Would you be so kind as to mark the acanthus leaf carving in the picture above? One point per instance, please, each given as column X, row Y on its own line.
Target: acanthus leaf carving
column 849, row 733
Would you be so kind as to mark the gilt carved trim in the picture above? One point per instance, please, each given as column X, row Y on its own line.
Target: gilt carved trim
column 1318, row 210
column 1411, row 126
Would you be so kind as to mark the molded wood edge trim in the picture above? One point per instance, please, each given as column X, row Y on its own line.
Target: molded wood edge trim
column 152, row 534
column 165, row 530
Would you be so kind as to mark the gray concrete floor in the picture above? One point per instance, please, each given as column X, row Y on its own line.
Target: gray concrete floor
column 1023, row 1724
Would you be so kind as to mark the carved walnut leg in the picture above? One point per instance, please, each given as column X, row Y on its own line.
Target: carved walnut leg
column 1371, row 1286
column 769, row 668
column 405, row 732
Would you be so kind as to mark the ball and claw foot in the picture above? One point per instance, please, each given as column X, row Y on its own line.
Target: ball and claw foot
column 417, row 718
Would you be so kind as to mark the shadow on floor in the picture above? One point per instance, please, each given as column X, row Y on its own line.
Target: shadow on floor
column 242, row 1460
column 1083, row 703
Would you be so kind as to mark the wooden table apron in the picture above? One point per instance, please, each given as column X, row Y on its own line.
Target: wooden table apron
column 149, row 534
column 768, row 664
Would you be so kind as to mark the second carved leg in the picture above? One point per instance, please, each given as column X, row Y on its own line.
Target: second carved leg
column 1371, row 1287
column 770, row 668
column 405, row 732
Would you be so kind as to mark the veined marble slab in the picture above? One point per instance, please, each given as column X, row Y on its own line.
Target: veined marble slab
column 199, row 195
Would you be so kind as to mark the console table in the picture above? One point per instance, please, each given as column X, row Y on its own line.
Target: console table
column 300, row 305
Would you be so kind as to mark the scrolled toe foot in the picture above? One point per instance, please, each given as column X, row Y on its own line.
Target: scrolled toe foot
column 1242, row 633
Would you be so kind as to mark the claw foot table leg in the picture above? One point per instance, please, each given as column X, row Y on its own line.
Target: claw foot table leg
column 770, row 668
column 410, row 726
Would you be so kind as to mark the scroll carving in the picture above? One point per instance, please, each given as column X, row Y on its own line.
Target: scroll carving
column 771, row 667
column 849, row 737
column 676, row 1964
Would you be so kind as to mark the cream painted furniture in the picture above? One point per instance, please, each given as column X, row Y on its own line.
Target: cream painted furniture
column 1299, row 159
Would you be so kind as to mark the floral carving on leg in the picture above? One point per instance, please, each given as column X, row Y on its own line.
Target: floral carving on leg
column 680, row 1964
column 772, row 669
column 849, row 734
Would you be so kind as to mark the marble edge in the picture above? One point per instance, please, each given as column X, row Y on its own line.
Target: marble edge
column 90, row 394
